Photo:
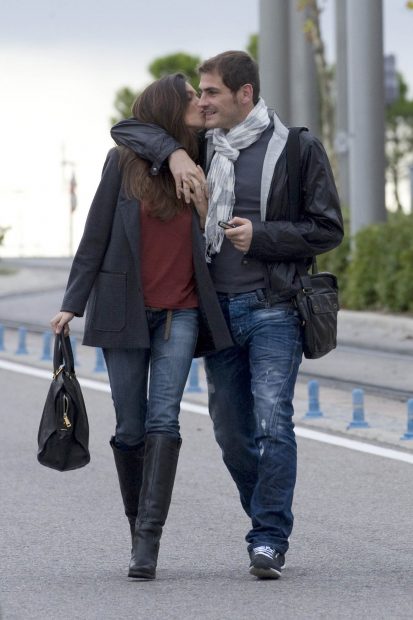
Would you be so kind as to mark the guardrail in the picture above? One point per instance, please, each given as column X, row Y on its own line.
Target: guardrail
column 194, row 385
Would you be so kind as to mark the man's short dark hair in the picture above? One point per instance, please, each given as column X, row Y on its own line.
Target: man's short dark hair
column 236, row 69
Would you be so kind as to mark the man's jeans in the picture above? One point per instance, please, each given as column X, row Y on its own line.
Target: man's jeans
column 251, row 387
column 138, row 410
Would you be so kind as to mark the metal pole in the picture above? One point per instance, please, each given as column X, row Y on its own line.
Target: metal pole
column 411, row 188
column 304, row 90
column 341, row 141
column 273, row 56
column 72, row 206
column 366, row 112
column 72, row 195
column 70, row 232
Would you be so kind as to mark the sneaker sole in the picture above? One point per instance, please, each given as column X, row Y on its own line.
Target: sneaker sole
column 265, row 573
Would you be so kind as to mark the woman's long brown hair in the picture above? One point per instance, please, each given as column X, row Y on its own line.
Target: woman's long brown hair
column 162, row 103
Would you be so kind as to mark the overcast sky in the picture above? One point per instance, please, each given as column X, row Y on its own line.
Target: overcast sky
column 61, row 62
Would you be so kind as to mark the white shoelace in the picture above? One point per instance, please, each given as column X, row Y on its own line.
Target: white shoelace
column 264, row 550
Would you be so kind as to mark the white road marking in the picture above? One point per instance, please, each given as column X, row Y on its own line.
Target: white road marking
column 306, row 433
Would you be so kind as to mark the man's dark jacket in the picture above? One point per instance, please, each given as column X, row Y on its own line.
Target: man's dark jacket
column 105, row 274
column 276, row 241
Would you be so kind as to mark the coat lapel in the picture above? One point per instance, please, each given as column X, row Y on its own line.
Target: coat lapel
column 131, row 221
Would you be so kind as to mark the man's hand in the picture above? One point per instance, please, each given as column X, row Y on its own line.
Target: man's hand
column 61, row 321
column 241, row 236
column 186, row 175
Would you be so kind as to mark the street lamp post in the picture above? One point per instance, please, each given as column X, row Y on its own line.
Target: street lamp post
column 72, row 185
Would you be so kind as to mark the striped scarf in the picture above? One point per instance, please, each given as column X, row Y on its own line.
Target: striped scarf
column 221, row 177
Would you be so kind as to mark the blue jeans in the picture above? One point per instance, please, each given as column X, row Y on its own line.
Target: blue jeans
column 251, row 388
column 140, row 410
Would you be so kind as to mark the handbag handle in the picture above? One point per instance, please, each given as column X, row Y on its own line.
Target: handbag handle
column 63, row 354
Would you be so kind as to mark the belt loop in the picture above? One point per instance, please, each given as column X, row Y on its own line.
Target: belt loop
column 168, row 324
column 262, row 296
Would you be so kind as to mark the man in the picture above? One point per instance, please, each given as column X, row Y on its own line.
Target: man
column 252, row 263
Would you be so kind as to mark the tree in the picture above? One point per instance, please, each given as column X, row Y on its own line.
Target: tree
column 124, row 98
column 399, row 139
column 179, row 62
column 325, row 75
column 252, row 47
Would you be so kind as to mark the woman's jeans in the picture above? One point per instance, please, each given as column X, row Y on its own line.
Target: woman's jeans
column 140, row 410
column 251, row 388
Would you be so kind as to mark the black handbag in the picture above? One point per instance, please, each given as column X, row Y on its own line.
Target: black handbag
column 63, row 437
column 317, row 300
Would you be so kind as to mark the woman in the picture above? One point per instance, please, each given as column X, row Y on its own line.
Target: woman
column 140, row 268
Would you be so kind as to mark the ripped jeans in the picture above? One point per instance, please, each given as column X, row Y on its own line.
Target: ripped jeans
column 251, row 388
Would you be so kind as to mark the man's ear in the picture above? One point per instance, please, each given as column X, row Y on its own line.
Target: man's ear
column 246, row 94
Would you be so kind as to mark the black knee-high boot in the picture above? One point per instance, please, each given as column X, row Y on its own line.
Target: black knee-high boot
column 129, row 465
column 161, row 458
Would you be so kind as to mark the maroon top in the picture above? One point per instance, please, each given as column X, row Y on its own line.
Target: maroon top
column 167, row 269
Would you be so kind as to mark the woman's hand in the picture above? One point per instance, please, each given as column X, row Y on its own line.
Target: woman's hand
column 185, row 173
column 61, row 321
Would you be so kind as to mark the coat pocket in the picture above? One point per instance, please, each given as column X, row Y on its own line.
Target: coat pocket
column 109, row 313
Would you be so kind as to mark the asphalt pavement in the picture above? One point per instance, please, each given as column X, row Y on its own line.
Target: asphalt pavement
column 65, row 542
column 373, row 348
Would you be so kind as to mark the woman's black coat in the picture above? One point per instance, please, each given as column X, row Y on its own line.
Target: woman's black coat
column 105, row 274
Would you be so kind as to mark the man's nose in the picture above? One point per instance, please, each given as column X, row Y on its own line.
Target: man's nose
column 202, row 100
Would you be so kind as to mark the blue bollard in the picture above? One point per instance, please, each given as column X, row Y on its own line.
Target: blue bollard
column 21, row 346
column 358, row 410
column 193, row 379
column 73, row 342
column 100, row 365
column 313, row 401
column 409, row 433
column 2, row 347
column 47, row 347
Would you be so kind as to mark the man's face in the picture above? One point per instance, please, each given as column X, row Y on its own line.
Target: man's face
column 222, row 107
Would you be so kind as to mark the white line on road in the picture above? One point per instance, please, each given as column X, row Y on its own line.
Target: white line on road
column 300, row 431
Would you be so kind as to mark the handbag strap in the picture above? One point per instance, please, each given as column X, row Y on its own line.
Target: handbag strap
column 294, row 196
column 63, row 354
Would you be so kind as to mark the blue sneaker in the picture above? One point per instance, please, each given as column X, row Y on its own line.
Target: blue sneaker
column 266, row 562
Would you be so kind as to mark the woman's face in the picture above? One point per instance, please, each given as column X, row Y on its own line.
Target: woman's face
column 194, row 118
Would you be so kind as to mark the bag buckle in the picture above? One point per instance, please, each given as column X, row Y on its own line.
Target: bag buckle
column 56, row 373
column 66, row 420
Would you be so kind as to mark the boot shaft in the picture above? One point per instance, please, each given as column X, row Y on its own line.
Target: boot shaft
column 160, row 462
column 129, row 467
